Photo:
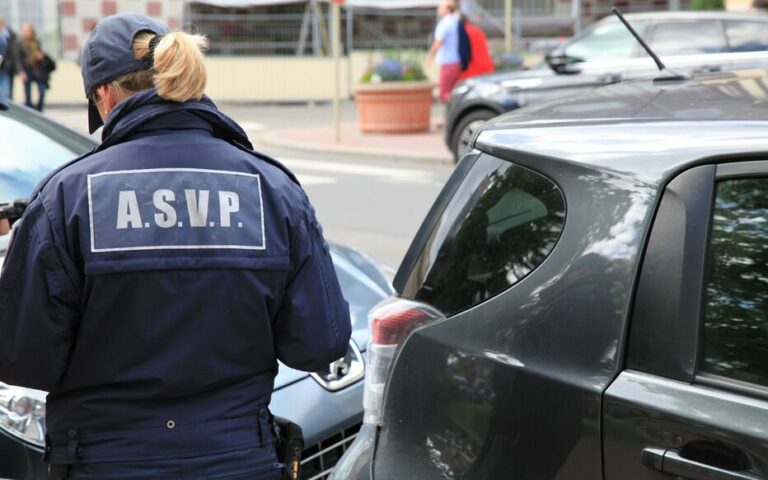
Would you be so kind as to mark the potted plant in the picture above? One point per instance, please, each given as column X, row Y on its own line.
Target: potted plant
column 394, row 97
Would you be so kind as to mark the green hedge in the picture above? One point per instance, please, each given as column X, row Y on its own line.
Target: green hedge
column 707, row 4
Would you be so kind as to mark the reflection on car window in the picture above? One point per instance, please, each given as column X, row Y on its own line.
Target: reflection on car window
column 736, row 323
column 500, row 225
column 747, row 36
column 27, row 157
column 687, row 38
column 611, row 41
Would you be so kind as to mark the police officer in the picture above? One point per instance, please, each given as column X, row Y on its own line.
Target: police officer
column 152, row 284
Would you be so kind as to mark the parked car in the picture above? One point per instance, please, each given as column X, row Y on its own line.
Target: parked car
column 587, row 297
column 607, row 53
column 327, row 404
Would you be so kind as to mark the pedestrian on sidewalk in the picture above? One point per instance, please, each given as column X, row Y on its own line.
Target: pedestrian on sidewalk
column 10, row 64
column 445, row 48
column 36, row 66
column 481, row 62
column 152, row 285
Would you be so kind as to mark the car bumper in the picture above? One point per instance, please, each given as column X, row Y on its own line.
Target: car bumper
column 356, row 462
column 20, row 461
column 320, row 413
column 329, row 420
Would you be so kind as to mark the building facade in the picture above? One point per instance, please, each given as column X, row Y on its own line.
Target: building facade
column 282, row 30
column 78, row 17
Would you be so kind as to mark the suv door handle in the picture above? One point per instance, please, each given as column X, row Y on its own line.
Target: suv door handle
column 671, row 463
column 708, row 69
column 609, row 78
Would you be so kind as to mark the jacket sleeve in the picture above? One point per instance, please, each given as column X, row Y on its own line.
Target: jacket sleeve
column 313, row 327
column 39, row 305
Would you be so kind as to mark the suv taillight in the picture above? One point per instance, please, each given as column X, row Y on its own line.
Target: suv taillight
column 391, row 321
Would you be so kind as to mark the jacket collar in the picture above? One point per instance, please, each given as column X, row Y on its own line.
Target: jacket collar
column 135, row 113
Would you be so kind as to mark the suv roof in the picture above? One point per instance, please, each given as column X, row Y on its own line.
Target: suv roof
column 645, row 128
column 694, row 15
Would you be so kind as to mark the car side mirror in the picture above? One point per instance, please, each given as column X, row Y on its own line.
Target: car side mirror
column 562, row 63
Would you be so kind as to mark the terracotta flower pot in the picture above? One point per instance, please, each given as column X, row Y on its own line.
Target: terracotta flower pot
column 394, row 107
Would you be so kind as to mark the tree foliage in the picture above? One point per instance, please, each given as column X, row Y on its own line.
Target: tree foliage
column 707, row 4
column 736, row 328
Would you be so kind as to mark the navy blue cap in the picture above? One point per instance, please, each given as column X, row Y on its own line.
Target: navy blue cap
column 3, row 47
column 108, row 54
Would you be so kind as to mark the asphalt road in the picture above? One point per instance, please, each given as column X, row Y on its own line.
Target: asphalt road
column 373, row 206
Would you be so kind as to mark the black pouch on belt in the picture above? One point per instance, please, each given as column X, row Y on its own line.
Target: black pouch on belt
column 290, row 444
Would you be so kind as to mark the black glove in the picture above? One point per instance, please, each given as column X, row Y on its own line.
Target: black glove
column 12, row 211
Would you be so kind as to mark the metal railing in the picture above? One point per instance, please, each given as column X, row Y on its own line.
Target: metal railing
column 308, row 33
column 306, row 29
column 251, row 34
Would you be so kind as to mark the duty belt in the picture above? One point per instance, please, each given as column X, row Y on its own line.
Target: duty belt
column 172, row 440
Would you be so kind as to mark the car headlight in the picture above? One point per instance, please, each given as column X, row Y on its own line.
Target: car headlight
column 461, row 89
column 487, row 89
column 22, row 413
column 343, row 372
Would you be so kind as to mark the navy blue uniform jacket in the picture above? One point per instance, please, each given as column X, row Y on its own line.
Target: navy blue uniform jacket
column 153, row 283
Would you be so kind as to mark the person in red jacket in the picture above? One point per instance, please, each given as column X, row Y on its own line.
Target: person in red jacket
column 481, row 62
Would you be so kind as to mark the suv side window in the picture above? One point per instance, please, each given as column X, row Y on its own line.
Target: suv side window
column 747, row 36
column 500, row 225
column 688, row 38
column 735, row 337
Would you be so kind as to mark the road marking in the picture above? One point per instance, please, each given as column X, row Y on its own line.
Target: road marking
column 309, row 180
column 401, row 175
column 252, row 126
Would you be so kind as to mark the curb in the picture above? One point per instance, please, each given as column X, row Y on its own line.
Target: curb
column 273, row 139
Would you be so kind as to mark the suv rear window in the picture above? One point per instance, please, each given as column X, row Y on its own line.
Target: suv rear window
column 501, row 223
column 736, row 315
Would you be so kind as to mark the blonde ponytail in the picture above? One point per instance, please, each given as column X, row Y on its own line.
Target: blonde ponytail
column 178, row 72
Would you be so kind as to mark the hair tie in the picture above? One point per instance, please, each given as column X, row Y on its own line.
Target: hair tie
column 149, row 58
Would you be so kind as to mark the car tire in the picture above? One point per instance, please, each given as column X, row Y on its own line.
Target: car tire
column 465, row 130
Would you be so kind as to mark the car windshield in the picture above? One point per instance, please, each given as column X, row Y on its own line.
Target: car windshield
column 609, row 41
column 32, row 146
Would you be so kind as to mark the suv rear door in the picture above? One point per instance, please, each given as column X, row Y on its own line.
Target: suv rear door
column 693, row 399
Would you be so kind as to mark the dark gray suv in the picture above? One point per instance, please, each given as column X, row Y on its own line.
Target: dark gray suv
column 606, row 53
column 587, row 299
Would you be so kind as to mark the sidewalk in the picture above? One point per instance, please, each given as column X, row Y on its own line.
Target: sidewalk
column 427, row 147
column 308, row 128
